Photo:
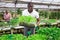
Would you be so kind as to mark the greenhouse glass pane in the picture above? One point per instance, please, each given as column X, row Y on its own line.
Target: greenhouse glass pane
column 40, row 6
column 10, row 5
column 56, row 7
column 25, row 0
column 56, row 0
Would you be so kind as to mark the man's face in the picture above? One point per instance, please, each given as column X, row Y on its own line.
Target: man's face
column 30, row 8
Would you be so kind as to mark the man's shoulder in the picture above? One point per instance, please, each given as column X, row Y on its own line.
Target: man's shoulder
column 35, row 11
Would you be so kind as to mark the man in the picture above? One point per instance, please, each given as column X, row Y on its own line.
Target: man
column 7, row 16
column 30, row 12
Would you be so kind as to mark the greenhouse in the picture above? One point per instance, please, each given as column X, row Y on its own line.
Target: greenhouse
column 29, row 19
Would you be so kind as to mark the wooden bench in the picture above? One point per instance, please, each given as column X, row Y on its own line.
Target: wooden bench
column 10, row 30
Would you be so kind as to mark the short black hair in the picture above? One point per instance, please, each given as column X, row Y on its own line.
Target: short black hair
column 30, row 3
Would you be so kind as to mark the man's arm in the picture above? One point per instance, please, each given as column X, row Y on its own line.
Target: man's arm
column 38, row 18
column 38, row 21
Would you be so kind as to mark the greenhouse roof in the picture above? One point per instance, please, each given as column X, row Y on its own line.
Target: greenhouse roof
column 45, row 4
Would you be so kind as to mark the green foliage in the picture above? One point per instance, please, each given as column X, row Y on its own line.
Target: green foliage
column 50, row 14
column 58, row 15
column 21, row 37
column 52, row 33
column 54, row 15
column 48, row 21
column 19, row 11
column 43, row 13
column 27, row 19
column 3, row 24
column 12, row 12
column 1, row 16
column 43, row 21
column 51, row 20
column 37, row 37
column 14, row 21
column 13, row 37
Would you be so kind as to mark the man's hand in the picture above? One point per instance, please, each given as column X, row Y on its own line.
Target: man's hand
column 38, row 23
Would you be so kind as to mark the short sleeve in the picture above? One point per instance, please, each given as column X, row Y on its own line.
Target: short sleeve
column 37, row 15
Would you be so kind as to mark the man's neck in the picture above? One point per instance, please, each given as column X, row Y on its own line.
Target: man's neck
column 6, row 13
column 30, row 12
